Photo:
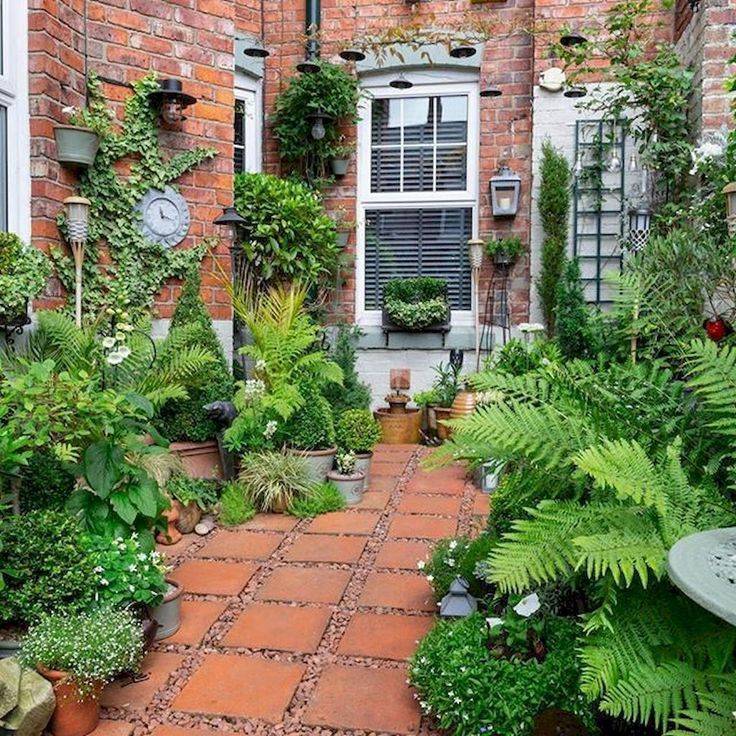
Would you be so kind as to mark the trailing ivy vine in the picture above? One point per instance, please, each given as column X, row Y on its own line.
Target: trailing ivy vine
column 121, row 265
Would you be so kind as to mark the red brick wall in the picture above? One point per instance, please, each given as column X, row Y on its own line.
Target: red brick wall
column 188, row 39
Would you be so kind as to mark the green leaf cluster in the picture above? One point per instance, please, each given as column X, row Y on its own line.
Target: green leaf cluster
column 235, row 507
column 353, row 393
column 23, row 274
column 325, row 499
column 357, row 430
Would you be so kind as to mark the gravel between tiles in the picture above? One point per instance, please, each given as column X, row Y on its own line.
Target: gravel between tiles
column 160, row 711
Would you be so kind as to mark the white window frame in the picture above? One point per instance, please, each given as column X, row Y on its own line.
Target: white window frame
column 14, row 97
column 425, row 84
column 249, row 90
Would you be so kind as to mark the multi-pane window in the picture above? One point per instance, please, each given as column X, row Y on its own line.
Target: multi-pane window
column 247, row 133
column 417, row 190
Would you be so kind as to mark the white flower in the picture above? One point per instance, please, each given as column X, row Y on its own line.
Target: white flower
column 260, row 365
column 430, row 578
column 528, row 606
column 99, row 569
column 421, row 565
column 124, row 350
column 270, row 429
column 450, row 562
column 115, row 358
column 132, row 568
column 142, row 556
column 108, row 343
column 104, row 582
column 493, row 622
column 453, row 544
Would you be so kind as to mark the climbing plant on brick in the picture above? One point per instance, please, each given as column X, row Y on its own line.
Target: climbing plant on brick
column 121, row 265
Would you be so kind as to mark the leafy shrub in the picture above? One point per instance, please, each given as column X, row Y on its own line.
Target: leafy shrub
column 311, row 427
column 324, row 499
column 353, row 393
column 126, row 573
column 45, row 483
column 468, row 691
column 23, row 274
column 235, row 507
column 287, row 236
column 416, row 303
column 574, row 328
column 511, row 247
column 191, row 327
column 357, row 430
column 457, row 557
column 274, row 480
column 51, row 567
column 92, row 647
column 188, row 490
column 517, row 357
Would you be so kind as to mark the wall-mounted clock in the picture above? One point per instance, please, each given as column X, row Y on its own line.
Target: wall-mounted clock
column 164, row 216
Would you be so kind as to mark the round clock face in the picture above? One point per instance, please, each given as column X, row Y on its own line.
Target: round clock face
column 165, row 216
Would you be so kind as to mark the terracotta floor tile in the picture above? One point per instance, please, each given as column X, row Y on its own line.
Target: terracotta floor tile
column 422, row 527
column 159, row 666
column 439, row 505
column 344, row 522
column 394, row 590
column 207, row 577
column 382, row 484
column 246, row 687
column 197, row 618
column 482, row 504
column 374, row 500
column 174, row 550
column 391, row 468
column 274, row 626
column 384, row 636
column 305, row 584
column 326, row 548
column 452, row 487
column 242, row 544
column 402, row 555
column 360, row 698
column 272, row 522
column 170, row 730
column 113, row 728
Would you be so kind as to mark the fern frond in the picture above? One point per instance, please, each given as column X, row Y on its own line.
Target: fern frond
column 715, row 714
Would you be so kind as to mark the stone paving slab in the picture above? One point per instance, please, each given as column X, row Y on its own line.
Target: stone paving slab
column 302, row 627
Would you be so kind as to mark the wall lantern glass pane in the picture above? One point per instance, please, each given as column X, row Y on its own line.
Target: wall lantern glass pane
column 505, row 190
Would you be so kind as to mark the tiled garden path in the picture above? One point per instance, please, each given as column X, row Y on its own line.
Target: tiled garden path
column 303, row 626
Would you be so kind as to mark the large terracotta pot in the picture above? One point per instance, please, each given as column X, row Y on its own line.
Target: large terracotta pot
column 400, row 429
column 320, row 461
column 464, row 405
column 189, row 516
column 200, row 459
column 441, row 413
column 75, row 714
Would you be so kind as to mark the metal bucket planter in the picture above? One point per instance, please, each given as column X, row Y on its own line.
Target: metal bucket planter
column 363, row 465
column 76, row 146
column 340, row 166
column 168, row 613
column 320, row 461
column 350, row 486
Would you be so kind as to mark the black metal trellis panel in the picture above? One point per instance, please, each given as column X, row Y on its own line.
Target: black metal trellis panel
column 598, row 202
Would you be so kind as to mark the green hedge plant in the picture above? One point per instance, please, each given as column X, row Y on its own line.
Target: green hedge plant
column 357, row 430
column 23, row 274
column 417, row 303
column 311, row 427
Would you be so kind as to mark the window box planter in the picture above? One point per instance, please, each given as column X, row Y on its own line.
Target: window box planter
column 200, row 459
column 389, row 326
column 320, row 461
column 350, row 486
column 76, row 146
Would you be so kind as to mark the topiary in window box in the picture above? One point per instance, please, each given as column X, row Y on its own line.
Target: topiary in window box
column 416, row 304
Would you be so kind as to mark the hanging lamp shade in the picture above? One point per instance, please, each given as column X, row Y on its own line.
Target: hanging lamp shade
column 575, row 92
column 308, row 66
column 401, row 82
column 462, row 51
column 256, row 50
column 352, row 54
column 573, row 38
column 490, row 92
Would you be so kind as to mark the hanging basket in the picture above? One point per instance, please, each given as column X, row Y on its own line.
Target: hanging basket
column 76, row 146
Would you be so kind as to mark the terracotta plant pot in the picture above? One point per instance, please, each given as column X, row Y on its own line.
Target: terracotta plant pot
column 400, row 429
column 189, row 516
column 320, row 461
column 74, row 714
column 464, row 405
column 172, row 535
column 363, row 465
column 441, row 413
column 200, row 459
column 350, row 486
column 168, row 613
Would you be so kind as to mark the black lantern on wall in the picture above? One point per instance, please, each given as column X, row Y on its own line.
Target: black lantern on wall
column 171, row 100
column 505, row 191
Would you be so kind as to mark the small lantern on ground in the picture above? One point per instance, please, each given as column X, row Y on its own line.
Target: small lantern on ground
column 640, row 219
column 505, row 190
column 458, row 603
column 77, row 225
column 171, row 100
column 730, row 191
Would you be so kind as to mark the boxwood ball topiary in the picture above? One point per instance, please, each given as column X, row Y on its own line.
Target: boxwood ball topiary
column 358, row 431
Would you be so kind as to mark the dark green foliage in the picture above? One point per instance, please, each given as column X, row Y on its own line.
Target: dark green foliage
column 458, row 557
column 420, row 289
column 46, row 564
column 325, row 498
column 357, row 430
column 311, row 427
column 468, row 691
column 353, row 394
column 287, row 235
column 45, row 483
column 554, row 210
column 517, row 357
column 191, row 327
column 235, row 507
column 574, row 327
column 188, row 490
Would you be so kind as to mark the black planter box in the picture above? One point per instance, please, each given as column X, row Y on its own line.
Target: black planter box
column 388, row 326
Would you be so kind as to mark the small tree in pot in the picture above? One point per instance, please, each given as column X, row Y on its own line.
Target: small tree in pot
column 348, row 479
column 358, row 431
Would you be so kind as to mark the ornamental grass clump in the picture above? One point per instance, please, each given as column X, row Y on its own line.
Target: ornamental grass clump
column 93, row 648
column 274, row 480
column 416, row 304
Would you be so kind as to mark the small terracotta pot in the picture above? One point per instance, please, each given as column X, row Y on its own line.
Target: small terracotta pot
column 200, row 459
column 189, row 516
column 442, row 413
column 172, row 535
column 74, row 714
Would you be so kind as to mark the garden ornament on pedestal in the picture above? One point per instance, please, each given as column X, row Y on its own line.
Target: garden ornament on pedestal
column 458, row 603
column 399, row 425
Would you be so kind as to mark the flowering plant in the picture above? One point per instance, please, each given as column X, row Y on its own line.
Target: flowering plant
column 345, row 462
column 93, row 648
column 518, row 635
column 457, row 557
column 125, row 572
column 115, row 342
column 256, row 425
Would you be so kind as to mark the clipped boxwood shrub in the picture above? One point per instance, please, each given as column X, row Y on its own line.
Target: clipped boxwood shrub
column 416, row 303
column 468, row 691
column 311, row 427
column 45, row 483
column 357, row 430
column 49, row 566
column 287, row 235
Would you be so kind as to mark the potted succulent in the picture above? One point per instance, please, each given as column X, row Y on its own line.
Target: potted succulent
column 504, row 251
column 358, row 431
column 416, row 304
column 310, row 433
column 348, row 479
column 193, row 496
column 78, row 141
column 23, row 274
column 79, row 653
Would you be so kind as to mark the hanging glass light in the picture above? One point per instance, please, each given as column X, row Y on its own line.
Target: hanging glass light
column 401, row 82
column 505, row 189
column 318, row 120
column 640, row 220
